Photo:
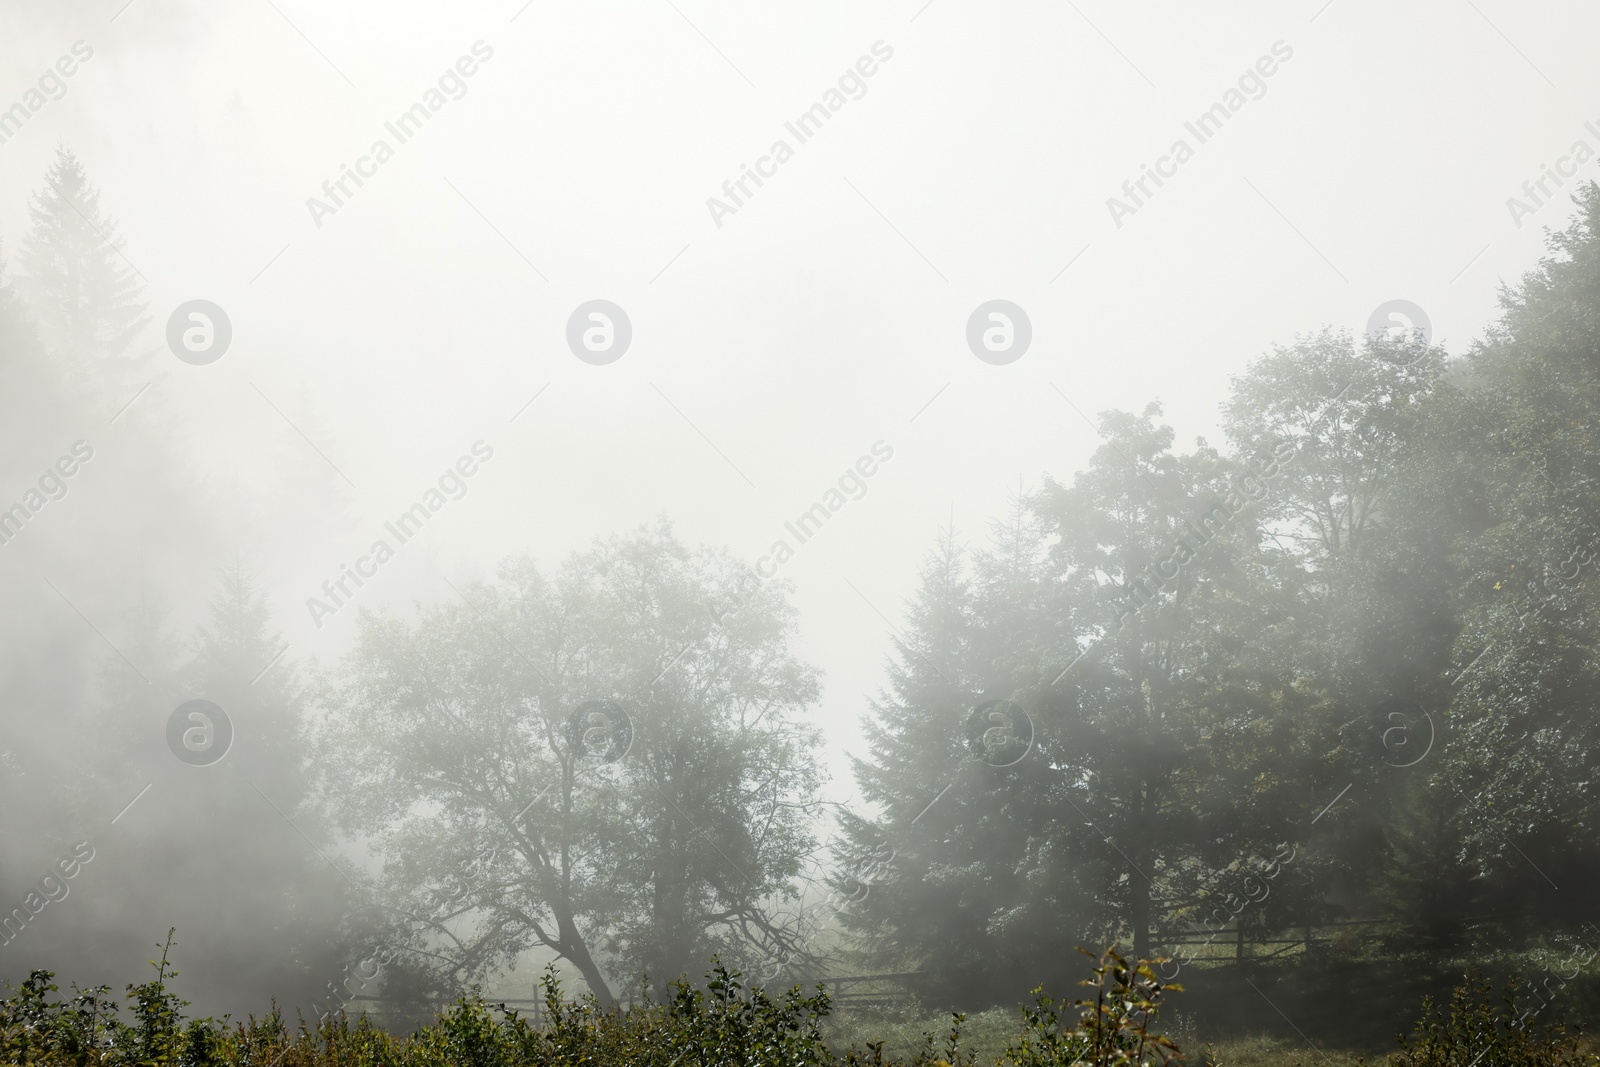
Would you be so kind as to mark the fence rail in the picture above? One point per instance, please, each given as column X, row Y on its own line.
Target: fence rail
column 1242, row 938
column 848, row 990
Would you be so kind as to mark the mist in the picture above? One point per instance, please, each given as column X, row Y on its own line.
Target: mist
column 852, row 491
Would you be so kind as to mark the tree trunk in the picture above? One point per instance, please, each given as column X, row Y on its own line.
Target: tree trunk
column 1138, row 885
column 1139, row 906
column 578, row 952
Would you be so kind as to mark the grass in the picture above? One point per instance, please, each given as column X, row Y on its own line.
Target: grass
column 986, row 1034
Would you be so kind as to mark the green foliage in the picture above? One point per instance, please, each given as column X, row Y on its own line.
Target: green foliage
column 450, row 739
column 1516, row 437
column 1479, row 1033
column 725, row 1023
column 86, row 1030
column 1172, row 749
column 158, row 1036
column 1112, row 1029
column 1366, row 626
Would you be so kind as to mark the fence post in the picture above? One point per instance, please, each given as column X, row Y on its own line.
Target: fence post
column 1238, row 944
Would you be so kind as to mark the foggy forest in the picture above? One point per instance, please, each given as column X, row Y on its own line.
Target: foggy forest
column 685, row 534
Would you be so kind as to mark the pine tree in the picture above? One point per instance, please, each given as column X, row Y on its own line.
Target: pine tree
column 229, row 852
column 959, row 885
column 83, row 290
column 266, row 851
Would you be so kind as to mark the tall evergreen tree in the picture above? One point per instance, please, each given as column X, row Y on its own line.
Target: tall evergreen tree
column 228, row 853
column 966, row 895
column 84, row 292
column 91, row 669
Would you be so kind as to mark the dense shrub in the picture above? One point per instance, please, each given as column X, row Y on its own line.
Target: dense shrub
column 1111, row 1030
column 1482, row 1034
column 726, row 1024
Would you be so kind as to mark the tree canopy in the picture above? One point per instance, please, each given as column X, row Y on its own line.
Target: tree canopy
column 640, row 840
column 1364, row 632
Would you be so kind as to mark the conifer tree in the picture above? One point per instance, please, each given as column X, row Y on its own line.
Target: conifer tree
column 961, row 884
column 229, row 852
column 84, row 292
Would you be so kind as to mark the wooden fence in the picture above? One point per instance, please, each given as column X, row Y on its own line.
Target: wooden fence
column 1233, row 945
column 1241, row 942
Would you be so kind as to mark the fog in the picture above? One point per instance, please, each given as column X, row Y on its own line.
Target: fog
column 417, row 334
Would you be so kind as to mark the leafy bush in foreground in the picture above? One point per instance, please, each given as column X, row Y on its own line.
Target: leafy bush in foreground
column 726, row 1024
column 1482, row 1035
column 1111, row 1030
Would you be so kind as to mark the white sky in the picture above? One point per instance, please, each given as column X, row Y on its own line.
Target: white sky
column 808, row 325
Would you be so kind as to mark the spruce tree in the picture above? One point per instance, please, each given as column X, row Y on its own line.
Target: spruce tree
column 959, row 881
column 82, row 289
column 278, row 895
column 228, row 853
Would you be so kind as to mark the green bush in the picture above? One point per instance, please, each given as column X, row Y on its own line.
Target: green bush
column 1480, row 1034
column 725, row 1024
column 1111, row 1030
